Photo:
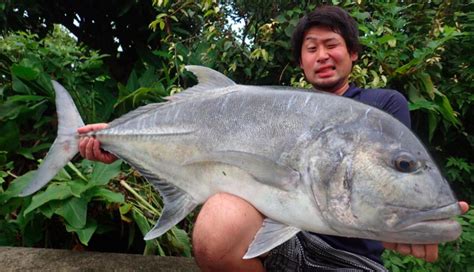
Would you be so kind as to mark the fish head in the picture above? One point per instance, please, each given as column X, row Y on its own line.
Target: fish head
column 374, row 179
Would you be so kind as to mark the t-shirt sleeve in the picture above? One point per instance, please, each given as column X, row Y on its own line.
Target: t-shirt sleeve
column 393, row 103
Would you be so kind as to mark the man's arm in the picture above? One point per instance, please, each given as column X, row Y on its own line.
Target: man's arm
column 90, row 147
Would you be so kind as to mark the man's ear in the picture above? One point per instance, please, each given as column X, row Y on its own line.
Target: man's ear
column 354, row 56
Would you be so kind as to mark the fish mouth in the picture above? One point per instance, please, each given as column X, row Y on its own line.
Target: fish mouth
column 429, row 226
column 429, row 216
column 426, row 232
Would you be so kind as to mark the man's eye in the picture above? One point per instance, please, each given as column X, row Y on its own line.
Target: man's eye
column 330, row 46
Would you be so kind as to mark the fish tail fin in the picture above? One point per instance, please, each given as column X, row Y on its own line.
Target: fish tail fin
column 65, row 145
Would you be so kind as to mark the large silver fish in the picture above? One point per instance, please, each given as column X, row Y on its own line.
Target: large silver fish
column 306, row 160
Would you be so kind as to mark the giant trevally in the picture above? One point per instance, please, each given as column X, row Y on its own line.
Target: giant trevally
column 307, row 160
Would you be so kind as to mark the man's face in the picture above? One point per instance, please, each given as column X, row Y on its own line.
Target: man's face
column 325, row 60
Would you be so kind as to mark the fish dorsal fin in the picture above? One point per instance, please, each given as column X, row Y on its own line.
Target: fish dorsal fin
column 269, row 236
column 208, row 78
column 261, row 168
column 208, row 81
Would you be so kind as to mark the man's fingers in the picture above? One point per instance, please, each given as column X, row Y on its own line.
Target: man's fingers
column 92, row 127
column 83, row 145
column 464, row 206
column 427, row 252
column 431, row 252
column 404, row 249
column 392, row 246
column 96, row 150
column 418, row 251
column 89, row 152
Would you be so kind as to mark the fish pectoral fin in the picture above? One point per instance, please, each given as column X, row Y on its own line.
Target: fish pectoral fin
column 269, row 236
column 177, row 205
column 263, row 169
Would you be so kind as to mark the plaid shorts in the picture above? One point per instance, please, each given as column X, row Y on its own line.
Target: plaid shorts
column 308, row 252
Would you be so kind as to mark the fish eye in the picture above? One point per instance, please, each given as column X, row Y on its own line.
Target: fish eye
column 405, row 162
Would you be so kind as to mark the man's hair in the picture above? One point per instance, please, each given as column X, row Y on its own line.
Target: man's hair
column 336, row 18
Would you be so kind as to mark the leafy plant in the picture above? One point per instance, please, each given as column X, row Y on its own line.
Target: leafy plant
column 68, row 196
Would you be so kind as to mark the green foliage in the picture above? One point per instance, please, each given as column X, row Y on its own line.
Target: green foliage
column 68, row 196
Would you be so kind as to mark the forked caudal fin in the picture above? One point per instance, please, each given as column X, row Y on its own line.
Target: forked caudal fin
column 66, row 144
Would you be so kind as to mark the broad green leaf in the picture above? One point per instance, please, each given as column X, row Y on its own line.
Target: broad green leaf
column 24, row 72
column 104, row 195
column 74, row 211
column 141, row 221
column 151, row 246
column 132, row 83
column 85, row 233
column 385, row 39
column 16, row 186
column 148, row 78
column 25, row 152
column 47, row 210
column 432, row 124
column 55, row 191
column 163, row 54
column 62, row 175
column 103, row 173
column 78, row 187
column 125, row 208
column 19, row 86
column 446, row 110
column 181, row 240
column 428, row 85
column 25, row 98
column 403, row 69
column 11, row 110
column 422, row 104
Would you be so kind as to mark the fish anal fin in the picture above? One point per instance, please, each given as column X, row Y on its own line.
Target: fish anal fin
column 177, row 205
column 269, row 236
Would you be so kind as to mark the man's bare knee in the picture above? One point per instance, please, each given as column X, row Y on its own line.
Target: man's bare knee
column 223, row 231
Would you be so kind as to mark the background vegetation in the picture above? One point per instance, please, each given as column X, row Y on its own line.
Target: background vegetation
column 130, row 53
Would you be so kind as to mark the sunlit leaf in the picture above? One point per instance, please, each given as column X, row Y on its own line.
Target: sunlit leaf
column 74, row 211
column 55, row 191
column 103, row 173
column 85, row 233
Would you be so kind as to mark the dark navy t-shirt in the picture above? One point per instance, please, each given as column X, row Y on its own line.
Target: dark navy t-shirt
column 395, row 104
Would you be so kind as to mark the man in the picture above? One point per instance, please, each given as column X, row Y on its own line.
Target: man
column 326, row 44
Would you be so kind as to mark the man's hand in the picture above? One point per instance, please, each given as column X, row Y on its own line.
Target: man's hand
column 90, row 147
column 427, row 252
